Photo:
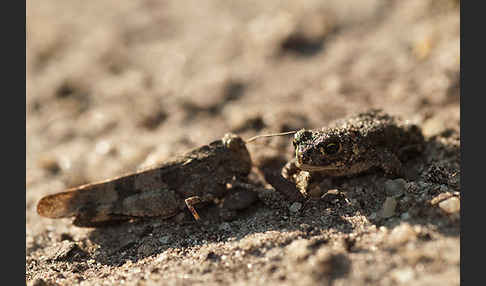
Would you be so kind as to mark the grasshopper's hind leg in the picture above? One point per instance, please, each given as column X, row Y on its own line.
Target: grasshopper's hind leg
column 192, row 201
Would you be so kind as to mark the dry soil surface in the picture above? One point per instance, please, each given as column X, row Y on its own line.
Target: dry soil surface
column 114, row 86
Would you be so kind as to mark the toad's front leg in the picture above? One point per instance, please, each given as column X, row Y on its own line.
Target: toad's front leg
column 303, row 180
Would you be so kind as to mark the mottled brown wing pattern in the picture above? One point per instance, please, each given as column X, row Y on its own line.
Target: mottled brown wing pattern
column 159, row 191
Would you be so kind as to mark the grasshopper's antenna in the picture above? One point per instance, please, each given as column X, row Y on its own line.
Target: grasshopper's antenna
column 269, row 135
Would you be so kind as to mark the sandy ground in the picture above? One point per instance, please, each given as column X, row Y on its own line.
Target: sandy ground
column 114, row 86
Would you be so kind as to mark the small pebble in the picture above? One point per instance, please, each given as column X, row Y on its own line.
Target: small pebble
column 403, row 275
column 395, row 188
column 433, row 126
column 225, row 226
column 68, row 251
column 161, row 257
column 443, row 188
column 372, row 216
column 405, row 216
column 146, row 249
column 299, row 249
column 164, row 239
column 423, row 186
column 209, row 255
column 451, row 205
column 295, row 207
column 389, row 206
column 38, row 282
column 401, row 234
column 333, row 196
column 440, row 198
column 305, row 227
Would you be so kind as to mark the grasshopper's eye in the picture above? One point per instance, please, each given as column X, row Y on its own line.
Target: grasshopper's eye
column 331, row 148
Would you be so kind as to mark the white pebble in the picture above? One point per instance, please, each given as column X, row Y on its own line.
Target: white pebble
column 225, row 226
column 164, row 239
column 451, row 205
column 389, row 206
column 395, row 188
column 295, row 207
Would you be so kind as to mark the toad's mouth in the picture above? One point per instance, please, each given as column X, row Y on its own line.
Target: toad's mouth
column 313, row 168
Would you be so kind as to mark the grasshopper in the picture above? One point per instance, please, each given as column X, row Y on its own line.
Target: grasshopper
column 165, row 190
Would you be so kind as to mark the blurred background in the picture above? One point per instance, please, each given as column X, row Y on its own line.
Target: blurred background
column 113, row 85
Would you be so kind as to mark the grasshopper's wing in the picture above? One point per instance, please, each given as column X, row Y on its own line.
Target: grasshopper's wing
column 134, row 195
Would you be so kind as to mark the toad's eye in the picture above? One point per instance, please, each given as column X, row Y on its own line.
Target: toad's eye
column 331, row 148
